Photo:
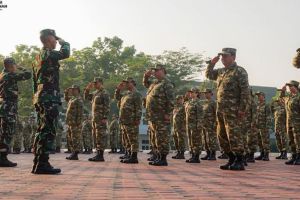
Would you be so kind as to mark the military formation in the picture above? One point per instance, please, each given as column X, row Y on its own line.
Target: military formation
column 231, row 118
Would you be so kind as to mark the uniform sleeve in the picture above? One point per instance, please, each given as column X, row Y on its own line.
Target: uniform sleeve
column 138, row 107
column 170, row 98
column 211, row 73
column 66, row 96
column 106, row 108
column 63, row 53
column 200, row 116
column 244, row 89
column 20, row 76
column 268, row 116
column 79, row 112
column 118, row 97
column 87, row 95
column 146, row 81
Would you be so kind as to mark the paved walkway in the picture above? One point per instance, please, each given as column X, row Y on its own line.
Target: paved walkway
column 114, row 180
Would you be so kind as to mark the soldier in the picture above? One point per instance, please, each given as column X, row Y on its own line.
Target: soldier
column 194, row 125
column 100, row 111
column 159, row 108
column 179, row 126
column 292, row 103
column 27, row 135
column 279, row 112
column 87, row 135
column 130, row 105
column 114, row 133
column 9, row 77
column 47, row 98
column 59, row 132
column 17, row 139
column 210, row 125
column 263, row 124
column 74, row 118
column 232, row 101
column 189, row 135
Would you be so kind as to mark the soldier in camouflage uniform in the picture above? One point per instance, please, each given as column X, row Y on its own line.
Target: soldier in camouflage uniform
column 87, row 135
column 27, row 135
column 188, row 133
column 210, row 125
column 74, row 118
column 263, row 124
column 17, row 139
column 9, row 77
column 292, row 105
column 194, row 125
column 159, row 108
column 47, row 98
column 100, row 111
column 232, row 101
column 59, row 132
column 130, row 105
column 113, row 134
column 279, row 113
column 179, row 126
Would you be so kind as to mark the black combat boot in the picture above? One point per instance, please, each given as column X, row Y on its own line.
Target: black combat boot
column 212, row 155
column 176, row 156
column 280, row 156
column 260, row 157
column 191, row 158
column 297, row 161
column 284, row 155
column 238, row 163
column 181, row 155
column 250, row 158
column 16, row 151
column 89, row 151
column 4, row 162
column 162, row 161
column 43, row 166
column 99, row 157
column 207, row 155
column 57, row 150
column 266, row 157
column 223, row 156
column 157, row 159
column 292, row 160
column 230, row 161
column 245, row 158
column 195, row 159
column 111, row 151
column 150, row 152
column 126, row 156
column 73, row 156
column 68, row 151
column 133, row 159
column 153, row 157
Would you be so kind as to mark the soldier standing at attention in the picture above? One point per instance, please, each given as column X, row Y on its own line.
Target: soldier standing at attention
column 179, row 127
column 9, row 78
column 232, row 101
column 47, row 98
column 194, row 120
column 100, row 111
column 159, row 108
column 113, row 134
column 74, row 118
column 263, row 123
column 292, row 105
column 87, row 135
column 17, row 139
column 27, row 135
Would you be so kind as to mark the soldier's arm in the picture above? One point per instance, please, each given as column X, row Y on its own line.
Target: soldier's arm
column 118, row 96
column 210, row 72
column 200, row 116
column 79, row 111
column 138, row 107
column 23, row 74
column 146, row 81
column 106, row 106
column 170, row 98
column 66, row 96
column 87, row 95
column 244, row 88
column 63, row 53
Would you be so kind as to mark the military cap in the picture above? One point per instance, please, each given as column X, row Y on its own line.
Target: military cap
column 8, row 61
column 228, row 51
column 75, row 87
column 179, row 97
column 194, row 89
column 129, row 79
column 98, row 79
column 259, row 93
column 208, row 90
column 293, row 83
column 46, row 32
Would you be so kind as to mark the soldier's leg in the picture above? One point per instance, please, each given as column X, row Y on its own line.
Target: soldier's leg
column 296, row 133
column 175, row 139
column 212, row 141
column 205, row 142
column 58, row 141
column 266, row 143
column 252, row 140
column 17, row 142
column 260, row 142
column 221, row 133
column 76, row 139
column 26, row 141
column 133, row 134
column 100, row 134
column 196, row 144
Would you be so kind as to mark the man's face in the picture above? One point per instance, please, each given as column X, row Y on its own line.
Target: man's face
column 75, row 91
column 261, row 98
column 11, row 68
column 227, row 59
column 50, row 42
column 130, row 85
column 97, row 84
column 159, row 73
column 180, row 100
column 293, row 89
column 194, row 94
column 208, row 95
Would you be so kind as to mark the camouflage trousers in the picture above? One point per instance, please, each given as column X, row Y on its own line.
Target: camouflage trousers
column 132, row 134
column 280, row 135
column 99, row 133
column 196, row 139
column 75, row 136
column 152, row 139
column 113, row 139
column 17, row 140
column 189, row 139
column 69, row 139
column 229, row 132
column 58, row 139
column 252, row 140
column 44, row 141
column 210, row 136
column 125, row 141
column 294, row 137
column 27, row 140
column 245, row 130
column 264, row 139
column 161, row 131
column 179, row 139
column 87, row 140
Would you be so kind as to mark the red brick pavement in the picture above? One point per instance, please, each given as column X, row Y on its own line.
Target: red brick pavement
column 114, row 180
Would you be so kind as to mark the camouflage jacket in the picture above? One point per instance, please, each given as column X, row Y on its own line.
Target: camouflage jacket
column 292, row 106
column 263, row 116
column 100, row 104
column 251, row 113
column 209, row 109
column 179, row 117
column 279, row 111
column 46, row 74
column 232, row 87
column 130, row 106
column 114, row 126
column 160, row 99
column 8, row 84
column 194, row 113
column 74, row 114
